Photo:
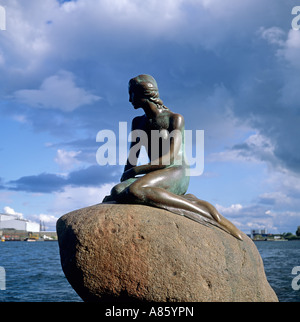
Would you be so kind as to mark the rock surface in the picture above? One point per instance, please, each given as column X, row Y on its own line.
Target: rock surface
column 125, row 253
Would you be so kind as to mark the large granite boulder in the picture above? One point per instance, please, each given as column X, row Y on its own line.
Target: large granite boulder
column 122, row 253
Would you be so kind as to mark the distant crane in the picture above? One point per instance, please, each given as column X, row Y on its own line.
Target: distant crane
column 42, row 226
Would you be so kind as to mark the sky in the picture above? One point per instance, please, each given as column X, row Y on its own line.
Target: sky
column 230, row 67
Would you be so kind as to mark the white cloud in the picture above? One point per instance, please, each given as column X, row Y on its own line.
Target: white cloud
column 25, row 39
column 256, row 148
column 59, row 92
column 233, row 209
column 291, row 50
column 276, row 198
column 249, row 217
column 66, row 159
column 273, row 35
column 73, row 198
column 39, row 31
column 261, row 223
column 10, row 211
column 48, row 220
column 287, row 49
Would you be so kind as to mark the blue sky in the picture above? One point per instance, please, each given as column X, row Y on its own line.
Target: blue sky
column 230, row 67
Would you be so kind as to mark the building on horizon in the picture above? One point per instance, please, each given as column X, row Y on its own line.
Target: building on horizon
column 18, row 223
column 262, row 232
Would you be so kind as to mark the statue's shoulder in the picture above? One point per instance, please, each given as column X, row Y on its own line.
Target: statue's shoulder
column 139, row 122
column 177, row 120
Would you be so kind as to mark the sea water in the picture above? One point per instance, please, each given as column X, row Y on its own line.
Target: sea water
column 280, row 258
column 33, row 271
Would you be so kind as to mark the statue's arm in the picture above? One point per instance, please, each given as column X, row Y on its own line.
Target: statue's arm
column 133, row 153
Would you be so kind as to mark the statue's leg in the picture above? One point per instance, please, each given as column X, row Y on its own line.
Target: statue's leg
column 118, row 192
column 206, row 206
column 164, row 189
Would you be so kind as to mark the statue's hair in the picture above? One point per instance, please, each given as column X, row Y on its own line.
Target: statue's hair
column 146, row 86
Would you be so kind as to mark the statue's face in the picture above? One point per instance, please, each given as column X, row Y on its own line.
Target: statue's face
column 136, row 100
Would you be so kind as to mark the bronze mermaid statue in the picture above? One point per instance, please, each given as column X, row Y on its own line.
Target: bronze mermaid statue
column 163, row 182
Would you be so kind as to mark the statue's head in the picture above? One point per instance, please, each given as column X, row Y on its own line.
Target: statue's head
column 145, row 87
